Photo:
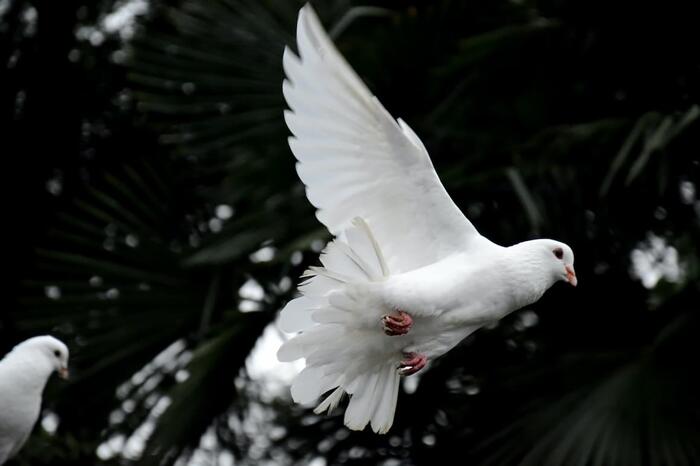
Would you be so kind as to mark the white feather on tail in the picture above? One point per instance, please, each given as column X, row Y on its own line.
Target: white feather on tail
column 341, row 337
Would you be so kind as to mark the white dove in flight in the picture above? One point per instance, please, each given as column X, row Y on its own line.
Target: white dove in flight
column 407, row 276
column 24, row 372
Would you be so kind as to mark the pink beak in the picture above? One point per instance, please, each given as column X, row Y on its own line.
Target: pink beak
column 63, row 373
column 571, row 275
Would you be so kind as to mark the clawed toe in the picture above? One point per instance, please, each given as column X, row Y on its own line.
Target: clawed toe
column 398, row 324
column 412, row 363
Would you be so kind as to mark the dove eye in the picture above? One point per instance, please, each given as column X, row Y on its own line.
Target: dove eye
column 57, row 353
column 558, row 253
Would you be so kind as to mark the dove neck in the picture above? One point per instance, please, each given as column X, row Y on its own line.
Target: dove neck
column 30, row 369
column 529, row 273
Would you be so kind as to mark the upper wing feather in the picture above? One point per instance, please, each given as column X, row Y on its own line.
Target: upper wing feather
column 357, row 160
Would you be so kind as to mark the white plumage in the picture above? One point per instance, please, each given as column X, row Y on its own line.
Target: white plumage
column 401, row 244
column 23, row 375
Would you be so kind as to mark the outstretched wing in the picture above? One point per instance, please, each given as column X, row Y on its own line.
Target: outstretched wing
column 356, row 160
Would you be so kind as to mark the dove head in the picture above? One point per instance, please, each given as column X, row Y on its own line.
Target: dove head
column 46, row 353
column 556, row 257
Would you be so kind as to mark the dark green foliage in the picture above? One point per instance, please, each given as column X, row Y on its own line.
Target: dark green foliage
column 571, row 120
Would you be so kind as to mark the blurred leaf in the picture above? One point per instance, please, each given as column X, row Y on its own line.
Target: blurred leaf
column 212, row 370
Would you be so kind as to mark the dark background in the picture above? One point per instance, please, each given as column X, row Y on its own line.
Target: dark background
column 575, row 120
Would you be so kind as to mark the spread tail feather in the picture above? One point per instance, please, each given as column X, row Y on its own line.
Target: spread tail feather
column 342, row 353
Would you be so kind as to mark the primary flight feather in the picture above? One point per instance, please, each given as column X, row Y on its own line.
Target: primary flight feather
column 23, row 375
column 407, row 276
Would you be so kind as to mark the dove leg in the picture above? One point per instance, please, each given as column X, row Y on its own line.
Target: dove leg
column 412, row 363
column 398, row 324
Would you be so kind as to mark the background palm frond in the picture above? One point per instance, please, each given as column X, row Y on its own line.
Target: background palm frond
column 171, row 194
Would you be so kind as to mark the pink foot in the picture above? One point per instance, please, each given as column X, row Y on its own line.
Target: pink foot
column 412, row 363
column 398, row 324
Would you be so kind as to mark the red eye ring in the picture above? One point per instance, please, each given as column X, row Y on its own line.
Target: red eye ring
column 558, row 253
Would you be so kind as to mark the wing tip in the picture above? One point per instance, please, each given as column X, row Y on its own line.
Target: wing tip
column 288, row 115
column 289, row 60
column 287, row 89
column 306, row 7
column 292, row 142
column 306, row 13
column 311, row 18
column 286, row 54
column 309, row 27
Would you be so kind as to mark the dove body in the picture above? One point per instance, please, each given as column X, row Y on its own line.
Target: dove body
column 407, row 276
column 24, row 373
